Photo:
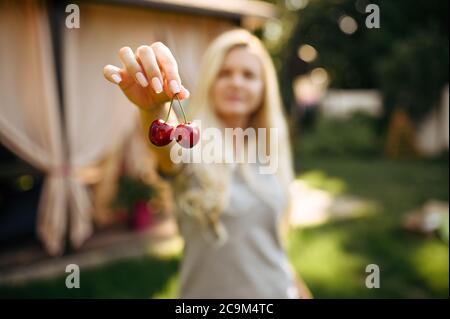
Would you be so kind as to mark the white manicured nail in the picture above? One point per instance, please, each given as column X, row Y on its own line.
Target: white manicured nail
column 116, row 78
column 141, row 79
column 157, row 86
column 174, row 87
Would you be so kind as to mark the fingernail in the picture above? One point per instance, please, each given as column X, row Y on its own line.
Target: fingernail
column 141, row 79
column 174, row 87
column 116, row 78
column 157, row 86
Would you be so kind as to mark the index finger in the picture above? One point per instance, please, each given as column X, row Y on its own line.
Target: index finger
column 169, row 67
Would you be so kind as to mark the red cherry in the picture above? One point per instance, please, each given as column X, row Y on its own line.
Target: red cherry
column 187, row 134
column 160, row 133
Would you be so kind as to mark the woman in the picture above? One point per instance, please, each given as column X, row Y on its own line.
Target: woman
column 228, row 214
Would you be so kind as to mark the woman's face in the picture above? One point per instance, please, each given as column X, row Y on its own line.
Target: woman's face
column 238, row 89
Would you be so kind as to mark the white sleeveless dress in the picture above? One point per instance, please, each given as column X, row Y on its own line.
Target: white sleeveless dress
column 251, row 263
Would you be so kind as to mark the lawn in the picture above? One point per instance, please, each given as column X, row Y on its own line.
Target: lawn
column 331, row 257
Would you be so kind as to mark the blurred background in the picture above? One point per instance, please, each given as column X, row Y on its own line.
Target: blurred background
column 365, row 89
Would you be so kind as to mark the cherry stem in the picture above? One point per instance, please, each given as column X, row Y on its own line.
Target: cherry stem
column 181, row 107
column 168, row 113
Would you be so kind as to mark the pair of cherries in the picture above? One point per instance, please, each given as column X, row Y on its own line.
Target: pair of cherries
column 186, row 134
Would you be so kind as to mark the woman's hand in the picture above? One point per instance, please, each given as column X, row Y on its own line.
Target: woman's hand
column 149, row 76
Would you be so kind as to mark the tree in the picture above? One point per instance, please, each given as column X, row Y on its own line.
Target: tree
column 406, row 58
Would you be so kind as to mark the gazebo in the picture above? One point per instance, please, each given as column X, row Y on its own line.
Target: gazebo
column 57, row 111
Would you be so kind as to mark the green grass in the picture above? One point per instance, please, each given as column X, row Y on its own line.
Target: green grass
column 331, row 258
column 145, row 277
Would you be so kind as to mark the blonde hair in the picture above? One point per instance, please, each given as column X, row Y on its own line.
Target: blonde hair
column 199, row 191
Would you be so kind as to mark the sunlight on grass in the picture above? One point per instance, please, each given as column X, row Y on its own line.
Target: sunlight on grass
column 346, row 207
column 431, row 262
column 166, row 250
column 312, row 206
column 318, row 179
column 324, row 263
column 444, row 229
column 170, row 291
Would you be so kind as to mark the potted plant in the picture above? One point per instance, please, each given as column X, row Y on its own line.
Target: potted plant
column 134, row 197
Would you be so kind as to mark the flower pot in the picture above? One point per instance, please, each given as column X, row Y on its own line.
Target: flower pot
column 142, row 216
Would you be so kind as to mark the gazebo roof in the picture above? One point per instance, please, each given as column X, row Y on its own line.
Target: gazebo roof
column 233, row 9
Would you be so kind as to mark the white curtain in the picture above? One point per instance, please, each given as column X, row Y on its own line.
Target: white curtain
column 30, row 117
column 98, row 116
